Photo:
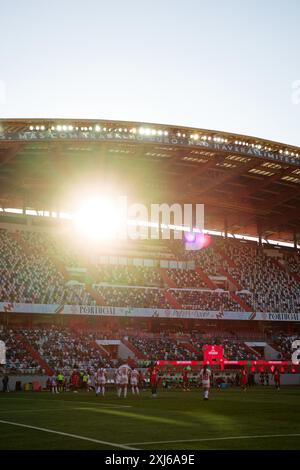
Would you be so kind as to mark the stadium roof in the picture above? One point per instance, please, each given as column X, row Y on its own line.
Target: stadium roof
column 245, row 182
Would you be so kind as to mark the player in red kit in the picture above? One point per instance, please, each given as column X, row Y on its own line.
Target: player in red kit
column 185, row 380
column 244, row 379
column 277, row 378
column 153, row 373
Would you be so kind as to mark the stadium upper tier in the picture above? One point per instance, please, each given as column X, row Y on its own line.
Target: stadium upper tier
column 248, row 185
column 41, row 267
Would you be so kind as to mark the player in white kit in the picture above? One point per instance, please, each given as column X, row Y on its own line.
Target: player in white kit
column 54, row 384
column 117, row 379
column 124, row 379
column 134, row 380
column 205, row 375
column 100, row 381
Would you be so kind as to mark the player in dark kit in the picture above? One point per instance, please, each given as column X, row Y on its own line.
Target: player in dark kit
column 277, row 378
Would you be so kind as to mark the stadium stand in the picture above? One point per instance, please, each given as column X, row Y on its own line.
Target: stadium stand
column 122, row 296
column 205, row 300
column 28, row 274
column 283, row 344
column 34, row 269
column 19, row 360
column 63, row 349
column 161, row 348
column 274, row 290
column 129, row 275
column 186, row 278
column 58, row 349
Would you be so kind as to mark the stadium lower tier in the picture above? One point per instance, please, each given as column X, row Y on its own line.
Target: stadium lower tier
column 49, row 349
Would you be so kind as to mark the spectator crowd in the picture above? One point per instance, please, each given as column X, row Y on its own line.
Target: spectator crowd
column 34, row 268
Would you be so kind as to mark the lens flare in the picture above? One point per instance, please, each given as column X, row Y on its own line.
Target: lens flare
column 97, row 219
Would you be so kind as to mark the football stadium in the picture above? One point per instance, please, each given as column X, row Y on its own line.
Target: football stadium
column 124, row 331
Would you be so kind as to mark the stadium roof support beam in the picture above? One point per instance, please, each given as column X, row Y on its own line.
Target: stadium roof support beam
column 265, row 182
column 11, row 153
column 232, row 204
column 175, row 157
column 235, row 204
column 279, row 220
column 199, row 170
column 281, row 198
column 226, row 176
column 295, row 239
column 259, row 233
column 226, row 227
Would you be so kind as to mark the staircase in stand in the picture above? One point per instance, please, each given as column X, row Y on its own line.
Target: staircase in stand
column 283, row 268
column 295, row 276
column 138, row 354
column 35, row 354
column 167, row 280
column 245, row 307
column 230, row 278
column 225, row 257
column 95, row 295
column 92, row 270
column 102, row 349
column 191, row 348
column 252, row 351
column 171, row 300
column 205, row 278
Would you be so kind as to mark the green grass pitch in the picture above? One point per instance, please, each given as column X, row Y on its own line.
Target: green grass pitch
column 260, row 418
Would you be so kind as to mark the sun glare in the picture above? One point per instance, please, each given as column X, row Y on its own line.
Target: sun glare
column 98, row 219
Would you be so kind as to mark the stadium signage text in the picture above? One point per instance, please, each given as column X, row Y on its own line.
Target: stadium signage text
column 10, row 307
column 155, row 139
column 283, row 316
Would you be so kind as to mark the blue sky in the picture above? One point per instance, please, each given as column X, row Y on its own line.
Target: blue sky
column 226, row 65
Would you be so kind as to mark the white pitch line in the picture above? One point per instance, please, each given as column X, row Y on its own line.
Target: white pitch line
column 108, row 405
column 35, row 410
column 87, row 403
column 213, row 439
column 74, row 436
